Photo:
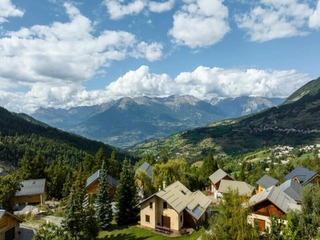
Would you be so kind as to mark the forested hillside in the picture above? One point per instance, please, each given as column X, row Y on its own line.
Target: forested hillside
column 19, row 133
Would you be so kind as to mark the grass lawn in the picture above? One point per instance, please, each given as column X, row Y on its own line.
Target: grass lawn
column 138, row 233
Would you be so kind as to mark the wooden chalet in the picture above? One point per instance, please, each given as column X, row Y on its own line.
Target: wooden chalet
column 32, row 191
column 303, row 176
column 265, row 182
column 92, row 184
column 271, row 201
column 174, row 208
column 9, row 225
column 215, row 180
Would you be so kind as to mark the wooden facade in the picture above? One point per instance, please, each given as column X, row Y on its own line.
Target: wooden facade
column 267, row 208
column 9, row 226
column 93, row 189
column 33, row 199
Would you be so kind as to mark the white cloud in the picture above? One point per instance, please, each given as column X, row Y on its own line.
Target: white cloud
column 206, row 83
column 118, row 8
column 203, row 83
column 200, row 23
column 152, row 52
column 314, row 20
column 159, row 7
column 64, row 55
column 8, row 9
column 274, row 19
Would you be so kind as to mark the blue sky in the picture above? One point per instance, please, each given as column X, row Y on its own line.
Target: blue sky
column 56, row 53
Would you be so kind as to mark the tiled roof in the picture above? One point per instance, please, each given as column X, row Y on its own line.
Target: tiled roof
column 218, row 175
column 266, row 181
column 243, row 188
column 303, row 174
column 275, row 195
column 146, row 167
column 181, row 198
column 32, row 187
column 95, row 176
column 292, row 188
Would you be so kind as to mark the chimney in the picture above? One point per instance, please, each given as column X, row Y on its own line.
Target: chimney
column 164, row 184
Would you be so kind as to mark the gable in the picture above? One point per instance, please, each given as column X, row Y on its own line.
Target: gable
column 267, row 208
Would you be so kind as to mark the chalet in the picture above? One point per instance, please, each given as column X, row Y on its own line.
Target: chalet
column 271, row 201
column 31, row 191
column 293, row 189
column 265, row 182
column 146, row 167
column 92, row 184
column 215, row 180
column 9, row 226
column 174, row 208
column 243, row 188
column 303, row 176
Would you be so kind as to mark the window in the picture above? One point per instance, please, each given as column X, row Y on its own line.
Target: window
column 150, row 205
column 165, row 205
column 147, row 218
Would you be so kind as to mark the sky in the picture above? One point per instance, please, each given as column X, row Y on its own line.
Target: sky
column 56, row 53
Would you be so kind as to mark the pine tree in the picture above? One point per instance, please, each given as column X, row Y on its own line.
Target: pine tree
column 103, row 201
column 74, row 212
column 210, row 165
column 91, row 226
column 127, row 198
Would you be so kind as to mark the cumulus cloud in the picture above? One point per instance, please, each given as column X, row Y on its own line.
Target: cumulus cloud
column 117, row 8
column 159, row 7
column 64, row 55
column 274, row 19
column 8, row 9
column 314, row 20
column 200, row 23
column 203, row 83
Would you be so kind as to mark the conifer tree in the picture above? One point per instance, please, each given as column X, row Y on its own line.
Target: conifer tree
column 210, row 165
column 103, row 201
column 127, row 197
column 74, row 212
column 91, row 226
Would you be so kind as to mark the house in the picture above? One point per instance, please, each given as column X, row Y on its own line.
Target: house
column 92, row 184
column 293, row 189
column 271, row 201
column 303, row 176
column 215, row 180
column 146, row 167
column 9, row 225
column 174, row 208
column 265, row 182
column 243, row 188
column 31, row 191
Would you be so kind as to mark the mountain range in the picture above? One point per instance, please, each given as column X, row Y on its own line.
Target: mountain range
column 129, row 121
column 295, row 122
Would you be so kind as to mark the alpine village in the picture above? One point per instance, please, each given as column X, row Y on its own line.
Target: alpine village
column 252, row 177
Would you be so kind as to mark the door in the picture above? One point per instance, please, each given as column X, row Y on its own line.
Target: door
column 9, row 235
column 166, row 221
column 262, row 225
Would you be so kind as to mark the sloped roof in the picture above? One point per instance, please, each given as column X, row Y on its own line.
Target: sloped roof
column 3, row 212
column 292, row 188
column 95, row 176
column 218, row 175
column 303, row 174
column 32, row 187
column 181, row 198
column 243, row 188
column 275, row 195
column 146, row 167
column 266, row 181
